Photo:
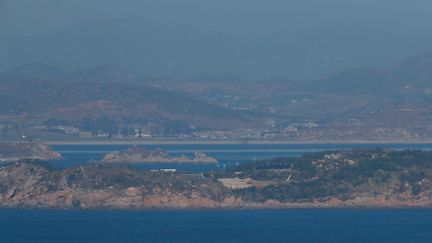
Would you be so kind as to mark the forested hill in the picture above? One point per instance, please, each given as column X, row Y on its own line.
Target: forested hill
column 375, row 177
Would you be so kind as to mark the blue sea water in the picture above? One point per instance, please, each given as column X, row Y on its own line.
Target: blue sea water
column 313, row 225
column 227, row 154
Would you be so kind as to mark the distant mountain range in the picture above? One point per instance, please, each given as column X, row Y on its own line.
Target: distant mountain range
column 368, row 103
column 410, row 77
column 149, row 49
column 42, row 94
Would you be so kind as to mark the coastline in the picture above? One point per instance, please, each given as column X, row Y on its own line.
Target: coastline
column 228, row 142
column 29, row 185
column 246, row 207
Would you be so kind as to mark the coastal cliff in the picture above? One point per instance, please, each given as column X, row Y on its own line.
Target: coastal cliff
column 30, row 184
column 141, row 155
column 359, row 178
column 15, row 151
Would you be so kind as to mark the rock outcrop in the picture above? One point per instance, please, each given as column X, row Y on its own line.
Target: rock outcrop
column 30, row 184
column 15, row 151
column 140, row 155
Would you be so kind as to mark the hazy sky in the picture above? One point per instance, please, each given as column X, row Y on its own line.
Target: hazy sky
column 251, row 17
column 354, row 33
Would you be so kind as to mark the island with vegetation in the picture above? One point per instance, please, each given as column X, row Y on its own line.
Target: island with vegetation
column 353, row 178
column 137, row 155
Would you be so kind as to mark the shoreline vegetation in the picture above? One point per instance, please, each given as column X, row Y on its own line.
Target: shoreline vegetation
column 359, row 178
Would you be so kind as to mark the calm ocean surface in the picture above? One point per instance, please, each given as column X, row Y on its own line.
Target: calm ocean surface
column 313, row 225
column 217, row 226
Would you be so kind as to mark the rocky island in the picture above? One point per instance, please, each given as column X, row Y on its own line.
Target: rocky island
column 357, row 178
column 140, row 155
column 14, row 151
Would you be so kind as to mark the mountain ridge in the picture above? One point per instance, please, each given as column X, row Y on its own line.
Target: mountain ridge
column 183, row 52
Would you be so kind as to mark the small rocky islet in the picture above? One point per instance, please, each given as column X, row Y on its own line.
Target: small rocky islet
column 138, row 155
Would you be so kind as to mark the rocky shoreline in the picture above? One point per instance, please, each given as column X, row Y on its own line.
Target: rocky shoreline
column 33, row 184
column 15, row 151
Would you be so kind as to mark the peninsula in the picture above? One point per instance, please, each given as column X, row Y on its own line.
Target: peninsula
column 10, row 151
